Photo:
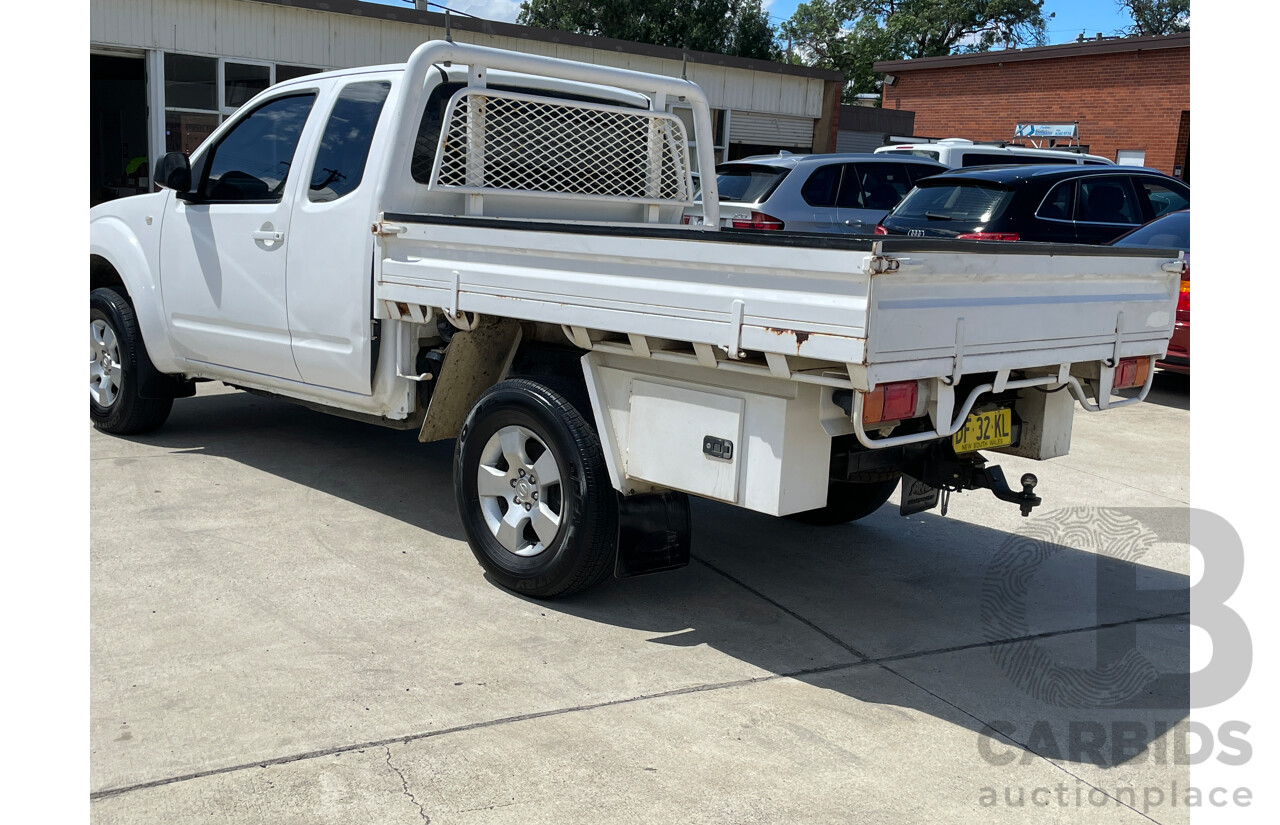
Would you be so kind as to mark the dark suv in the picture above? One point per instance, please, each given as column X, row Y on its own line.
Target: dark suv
column 1057, row 204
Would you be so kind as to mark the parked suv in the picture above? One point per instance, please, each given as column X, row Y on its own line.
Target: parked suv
column 838, row 193
column 1058, row 204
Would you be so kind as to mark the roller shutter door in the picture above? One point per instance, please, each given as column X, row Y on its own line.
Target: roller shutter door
column 771, row 130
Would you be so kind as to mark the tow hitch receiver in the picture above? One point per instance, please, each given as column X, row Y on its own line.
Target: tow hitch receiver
column 937, row 470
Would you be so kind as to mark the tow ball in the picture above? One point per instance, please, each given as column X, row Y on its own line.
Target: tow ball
column 993, row 479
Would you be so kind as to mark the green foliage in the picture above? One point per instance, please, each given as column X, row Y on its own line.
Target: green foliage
column 733, row 27
column 850, row 35
column 1151, row 17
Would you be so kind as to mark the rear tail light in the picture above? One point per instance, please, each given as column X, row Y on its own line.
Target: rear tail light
column 1184, row 294
column 880, row 230
column 988, row 236
column 758, row 220
column 686, row 220
column 1131, row 372
column 890, row 402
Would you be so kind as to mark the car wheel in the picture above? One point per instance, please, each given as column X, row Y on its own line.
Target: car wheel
column 114, row 347
column 533, row 492
column 848, row 501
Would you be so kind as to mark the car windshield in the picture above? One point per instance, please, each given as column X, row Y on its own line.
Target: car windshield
column 1170, row 232
column 966, row 201
column 748, row 183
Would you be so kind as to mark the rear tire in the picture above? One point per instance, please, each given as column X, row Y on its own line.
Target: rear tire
column 848, row 501
column 533, row 492
column 115, row 346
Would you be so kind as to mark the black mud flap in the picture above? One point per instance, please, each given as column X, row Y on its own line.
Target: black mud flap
column 653, row 533
column 917, row 496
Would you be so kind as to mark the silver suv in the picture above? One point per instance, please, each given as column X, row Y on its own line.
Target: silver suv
column 838, row 193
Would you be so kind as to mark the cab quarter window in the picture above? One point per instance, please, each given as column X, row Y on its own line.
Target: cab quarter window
column 251, row 162
column 344, row 147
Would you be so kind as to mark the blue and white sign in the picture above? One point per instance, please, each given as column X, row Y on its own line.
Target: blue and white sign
column 1046, row 130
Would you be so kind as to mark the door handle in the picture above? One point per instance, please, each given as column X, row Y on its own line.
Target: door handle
column 853, row 223
column 267, row 235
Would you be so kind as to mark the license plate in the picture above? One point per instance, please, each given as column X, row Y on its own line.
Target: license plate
column 984, row 430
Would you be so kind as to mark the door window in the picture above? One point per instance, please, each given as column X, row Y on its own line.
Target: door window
column 882, row 184
column 251, row 162
column 1108, row 200
column 344, row 147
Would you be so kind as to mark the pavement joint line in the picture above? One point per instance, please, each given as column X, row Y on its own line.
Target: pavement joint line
column 107, row 793
column 881, row 663
column 987, row 726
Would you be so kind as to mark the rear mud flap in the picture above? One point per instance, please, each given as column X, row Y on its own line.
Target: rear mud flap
column 653, row 533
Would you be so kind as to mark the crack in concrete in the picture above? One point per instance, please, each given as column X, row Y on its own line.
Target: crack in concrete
column 404, row 784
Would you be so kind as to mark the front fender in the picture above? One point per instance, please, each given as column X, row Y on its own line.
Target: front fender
column 119, row 233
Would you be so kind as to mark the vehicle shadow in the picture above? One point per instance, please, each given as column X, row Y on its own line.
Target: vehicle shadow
column 1170, row 389
column 1062, row 627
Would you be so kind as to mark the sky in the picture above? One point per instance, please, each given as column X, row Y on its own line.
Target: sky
column 1071, row 17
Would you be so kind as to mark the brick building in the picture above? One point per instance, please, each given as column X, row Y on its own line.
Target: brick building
column 1130, row 96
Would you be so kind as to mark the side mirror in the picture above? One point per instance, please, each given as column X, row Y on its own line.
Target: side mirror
column 173, row 171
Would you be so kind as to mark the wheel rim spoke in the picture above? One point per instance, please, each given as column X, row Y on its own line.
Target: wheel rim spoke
column 546, row 470
column 510, row 532
column 493, row 483
column 545, row 523
column 512, row 441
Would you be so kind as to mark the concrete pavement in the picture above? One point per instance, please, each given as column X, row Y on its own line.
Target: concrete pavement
column 289, row 627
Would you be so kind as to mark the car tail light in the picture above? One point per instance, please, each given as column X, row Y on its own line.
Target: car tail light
column 1184, row 293
column 880, row 230
column 890, row 402
column 686, row 220
column 988, row 236
column 1131, row 372
column 758, row 220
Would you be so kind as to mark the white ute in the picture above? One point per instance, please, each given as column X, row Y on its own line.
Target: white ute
column 486, row 246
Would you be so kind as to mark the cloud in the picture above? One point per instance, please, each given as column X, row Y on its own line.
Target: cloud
column 504, row 11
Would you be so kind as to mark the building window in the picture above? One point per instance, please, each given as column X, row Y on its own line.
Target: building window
column 199, row 93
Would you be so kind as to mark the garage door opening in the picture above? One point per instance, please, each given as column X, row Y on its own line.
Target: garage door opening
column 118, row 164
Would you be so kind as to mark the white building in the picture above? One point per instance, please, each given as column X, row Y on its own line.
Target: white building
column 164, row 73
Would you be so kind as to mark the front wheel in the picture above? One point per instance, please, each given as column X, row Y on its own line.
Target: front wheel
column 848, row 501
column 115, row 345
column 533, row 492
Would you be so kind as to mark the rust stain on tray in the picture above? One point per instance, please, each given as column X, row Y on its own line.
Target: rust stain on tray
column 800, row 337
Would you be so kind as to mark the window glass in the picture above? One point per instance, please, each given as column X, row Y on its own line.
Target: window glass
column 920, row 171
column 820, row 188
column 242, row 81
column 969, row 202
column 748, row 183
column 1161, row 197
column 185, row 131
column 883, row 184
column 252, row 161
column 1173, row 231
column 1108, row 200
column 284, row 72
column 190, row 82
column 344, row 147
column 1057, row 205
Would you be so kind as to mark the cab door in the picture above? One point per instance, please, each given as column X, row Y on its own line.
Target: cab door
column 223, row 246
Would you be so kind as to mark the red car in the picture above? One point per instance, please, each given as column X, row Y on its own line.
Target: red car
column 1171, row 231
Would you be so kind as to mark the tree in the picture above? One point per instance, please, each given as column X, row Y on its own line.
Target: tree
column 1151, row 17
column 850, row 35
column 733, row 27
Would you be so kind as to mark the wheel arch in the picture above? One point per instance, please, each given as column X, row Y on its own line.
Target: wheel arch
column 117, row 260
